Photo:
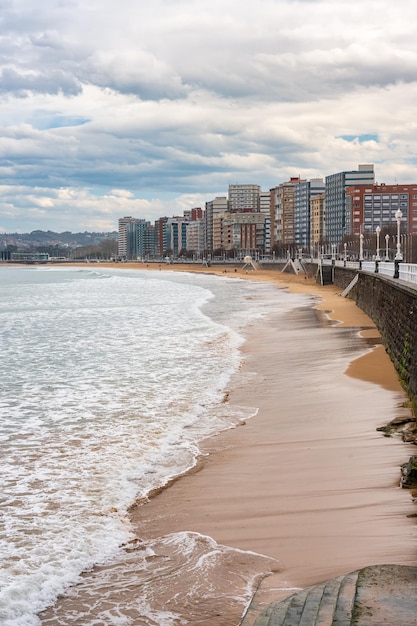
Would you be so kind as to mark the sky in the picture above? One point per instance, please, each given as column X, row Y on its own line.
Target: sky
column 150, row 107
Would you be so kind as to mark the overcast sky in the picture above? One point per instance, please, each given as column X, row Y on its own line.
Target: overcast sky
column 146, row 108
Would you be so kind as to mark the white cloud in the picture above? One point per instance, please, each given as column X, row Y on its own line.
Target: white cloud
column 140, row 108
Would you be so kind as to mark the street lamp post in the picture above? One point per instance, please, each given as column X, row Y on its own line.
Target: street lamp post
column 360, row 250
column 398, row 216
column 345, row 247
column 377, row 257
column 387, row 247
column 398, row 256
column 378, row 232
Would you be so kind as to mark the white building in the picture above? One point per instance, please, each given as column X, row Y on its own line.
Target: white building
column 244, row 197
column 125, row 224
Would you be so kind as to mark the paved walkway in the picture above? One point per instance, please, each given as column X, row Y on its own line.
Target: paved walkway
column 373, row 596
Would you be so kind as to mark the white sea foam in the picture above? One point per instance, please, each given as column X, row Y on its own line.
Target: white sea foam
column 158, row 579
column 109, row 382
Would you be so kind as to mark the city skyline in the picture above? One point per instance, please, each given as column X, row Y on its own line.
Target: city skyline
column 152, row 109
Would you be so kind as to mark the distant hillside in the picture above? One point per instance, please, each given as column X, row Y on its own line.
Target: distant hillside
column 49, row 239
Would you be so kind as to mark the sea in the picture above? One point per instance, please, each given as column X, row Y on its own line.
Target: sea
column 110, row 381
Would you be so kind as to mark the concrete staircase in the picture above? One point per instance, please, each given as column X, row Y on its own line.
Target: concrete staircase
column 382, row 594
column 326, row 274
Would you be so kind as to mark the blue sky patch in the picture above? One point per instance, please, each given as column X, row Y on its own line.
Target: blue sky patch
column 58, row 121
column 360, row 138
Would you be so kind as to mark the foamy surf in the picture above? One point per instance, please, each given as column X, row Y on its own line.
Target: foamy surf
column 112, row 380
column 175, row 580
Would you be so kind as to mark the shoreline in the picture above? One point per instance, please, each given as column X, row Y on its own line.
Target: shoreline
column 307, row 482
column 371, row 367
column 233, row 451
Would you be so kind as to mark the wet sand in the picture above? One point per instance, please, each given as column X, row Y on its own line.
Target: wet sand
column 308, row 481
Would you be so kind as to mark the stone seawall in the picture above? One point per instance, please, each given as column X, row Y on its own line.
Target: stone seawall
column 392, row 305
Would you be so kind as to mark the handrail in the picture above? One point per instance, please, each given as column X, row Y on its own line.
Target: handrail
column 407, row 272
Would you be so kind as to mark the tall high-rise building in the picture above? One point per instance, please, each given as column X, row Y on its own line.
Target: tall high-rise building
column 149, row 239
column 161, row 244
column 303, row 194
column 138, row 240
column 282, row 212
column 265, row 209
column 125, row 227
column 195, row 237
column 213, row 208
column 317, row 222
column 337, row 220
column 176, row 230
column 244, row 197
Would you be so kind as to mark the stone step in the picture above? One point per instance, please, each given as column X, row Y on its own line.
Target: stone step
column 328, row 602
column 345, row 600
column 295, row 609
column 276, row 611
column 372, row 596
column 312, row 605
column 323, row 605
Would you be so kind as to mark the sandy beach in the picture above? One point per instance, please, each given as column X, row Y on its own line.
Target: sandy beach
column 323, row 499
column 308, row 482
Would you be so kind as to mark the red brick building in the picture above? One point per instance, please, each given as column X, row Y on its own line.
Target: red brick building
column 369, row 206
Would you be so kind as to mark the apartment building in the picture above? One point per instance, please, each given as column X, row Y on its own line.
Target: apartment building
column 303, row 195
column 317, row 221
column 195, row 237
column 337, row 220
column 136, row 238
column 376, row 205
column 191, row 215
column 282, row 212
column 161, row 243
column 214, row 208
column 243, row 197
column 176, row 235
column 124, row 223
column 244, row 232
column 265, row 209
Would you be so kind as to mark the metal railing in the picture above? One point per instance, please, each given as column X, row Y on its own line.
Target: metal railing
column 407, row 272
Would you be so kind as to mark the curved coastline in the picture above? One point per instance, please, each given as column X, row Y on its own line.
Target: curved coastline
column 233, row 452
column 308, row 482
